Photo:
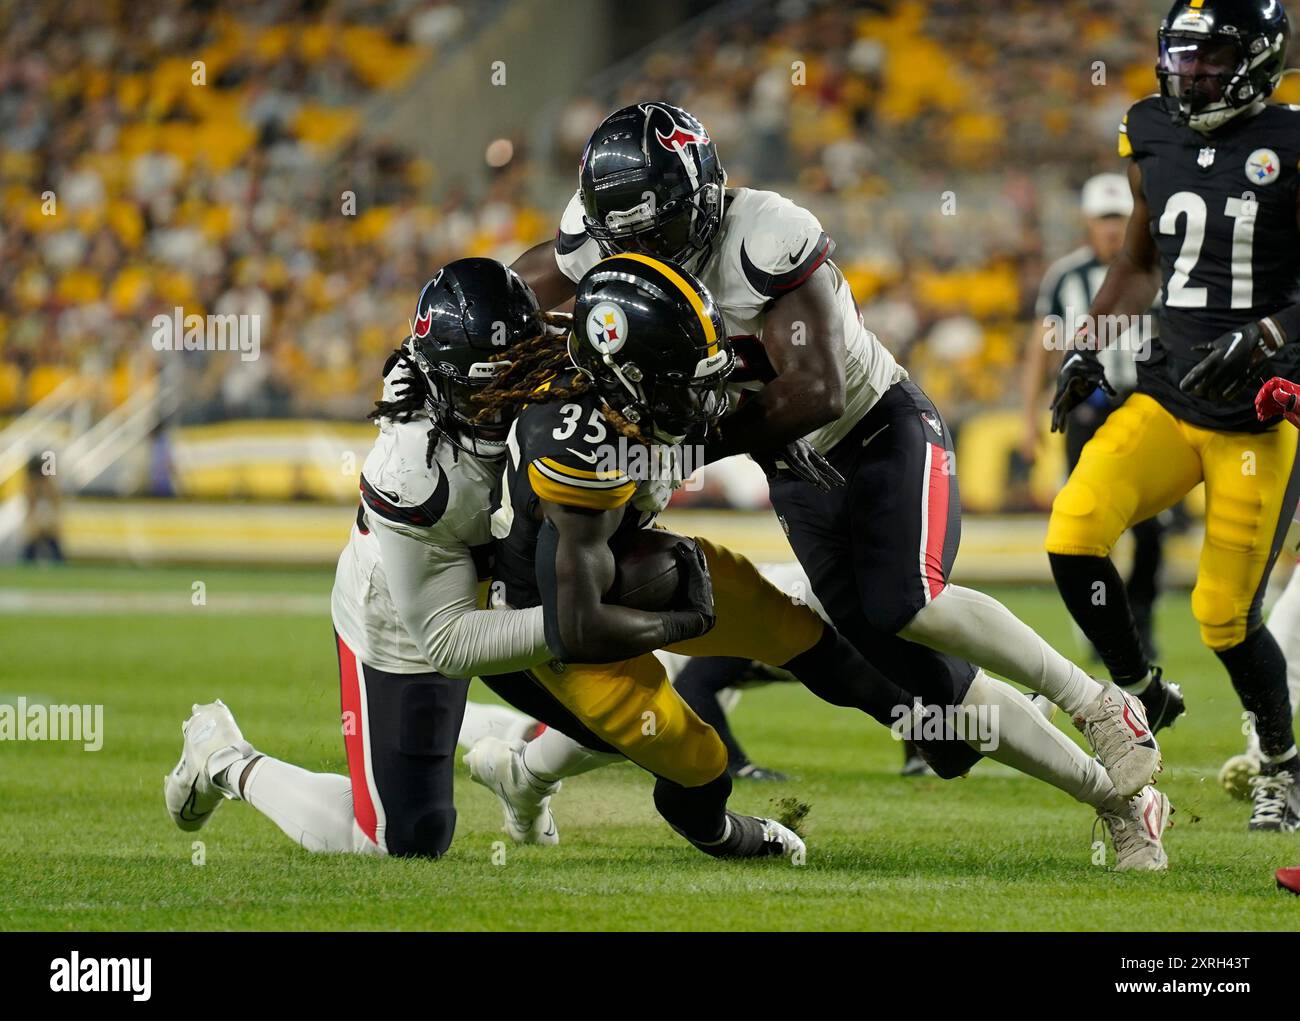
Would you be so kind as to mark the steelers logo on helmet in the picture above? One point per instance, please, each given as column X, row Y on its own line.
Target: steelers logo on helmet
column 1263, row 167
column 607, row 327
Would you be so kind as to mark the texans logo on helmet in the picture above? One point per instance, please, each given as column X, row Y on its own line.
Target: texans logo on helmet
column 422, row 324
column 679, row 136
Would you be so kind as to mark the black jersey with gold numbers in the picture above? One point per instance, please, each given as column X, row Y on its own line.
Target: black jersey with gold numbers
column 1222, row 213
column 563, row 452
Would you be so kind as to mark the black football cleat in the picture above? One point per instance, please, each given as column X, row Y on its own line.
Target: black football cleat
column 1276, row 794
column 749, row 771
column 914, row 763
column 1163, row 701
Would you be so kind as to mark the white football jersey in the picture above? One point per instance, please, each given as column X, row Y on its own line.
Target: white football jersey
column 405, row 595
column 766, row 247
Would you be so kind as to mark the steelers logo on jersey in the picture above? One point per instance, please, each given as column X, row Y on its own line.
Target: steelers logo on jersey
column 607, row 327
column 1263, row 166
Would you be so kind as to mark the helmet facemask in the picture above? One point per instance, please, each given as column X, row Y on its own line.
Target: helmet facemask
column 1208, row 79
column 679, row 230
column 666, row 407
column 450, row 403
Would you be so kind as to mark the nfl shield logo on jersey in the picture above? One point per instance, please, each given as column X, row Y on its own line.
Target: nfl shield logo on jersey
column 1263, row 166
column 1206, row 158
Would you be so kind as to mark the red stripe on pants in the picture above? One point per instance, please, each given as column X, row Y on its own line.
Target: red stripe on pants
column 354, row 738
column 936, row 513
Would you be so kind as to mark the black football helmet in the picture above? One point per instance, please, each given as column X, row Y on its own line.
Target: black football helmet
column 1220, row 57
column 467, row 317
column 651, row 183
column 651, row 339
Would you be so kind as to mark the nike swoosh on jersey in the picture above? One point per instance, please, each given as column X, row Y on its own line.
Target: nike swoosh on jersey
column 794, row 259
column 589, row 458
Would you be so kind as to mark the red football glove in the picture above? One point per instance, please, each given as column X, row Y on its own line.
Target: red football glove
column 1278, row 397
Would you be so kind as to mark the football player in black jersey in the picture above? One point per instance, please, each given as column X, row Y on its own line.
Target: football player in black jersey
column 649, row 366
column 1215, row 173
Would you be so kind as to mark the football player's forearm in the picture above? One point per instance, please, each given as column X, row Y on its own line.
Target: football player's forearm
column 787, row 409
column 540, row 271
column 604, row 633
column 434, row 591
column 1033, row 377
column 1128, row 290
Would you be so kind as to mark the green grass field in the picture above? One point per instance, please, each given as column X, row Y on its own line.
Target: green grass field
column 86, row 844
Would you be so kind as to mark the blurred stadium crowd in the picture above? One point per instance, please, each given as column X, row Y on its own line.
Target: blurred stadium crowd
column 940, row 144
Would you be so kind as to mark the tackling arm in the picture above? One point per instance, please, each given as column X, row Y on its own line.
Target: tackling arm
column 542, row 273
column 803, row 335
column 434, row 589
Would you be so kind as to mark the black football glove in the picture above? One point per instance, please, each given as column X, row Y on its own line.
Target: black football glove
column 1233, row 361
column 804, row 461
column 1079, row 377
column 697, row 616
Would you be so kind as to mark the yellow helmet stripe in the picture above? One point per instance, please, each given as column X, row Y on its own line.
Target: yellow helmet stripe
column 670, row 274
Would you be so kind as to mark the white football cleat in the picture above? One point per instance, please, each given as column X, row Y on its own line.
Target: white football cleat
column 1236, row 775
column 1137, row 832
column 1115, row 725
column 499, row 766
column 188, row 789
column 783, row 841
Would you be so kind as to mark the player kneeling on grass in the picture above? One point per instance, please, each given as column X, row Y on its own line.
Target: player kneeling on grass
column 404, row 604
column 650, row 357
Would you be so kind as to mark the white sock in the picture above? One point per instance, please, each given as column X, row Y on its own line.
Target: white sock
column 554, row 756
column 1286, row 756
column 483, row 719
column 976, row 627
column 313, row 809
column 1028, row 742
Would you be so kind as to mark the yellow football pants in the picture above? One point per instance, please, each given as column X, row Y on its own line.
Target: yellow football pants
column 634, row 707
column 1144, row 460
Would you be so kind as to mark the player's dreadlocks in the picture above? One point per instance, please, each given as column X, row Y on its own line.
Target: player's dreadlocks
column 409, row 392
column 535, row 363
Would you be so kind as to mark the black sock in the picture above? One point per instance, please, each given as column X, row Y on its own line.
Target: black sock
column 699, row 683
column 1258, row 671
column 1144, row 576
column 1094, row 594
column 835, row 672
column 698, row 813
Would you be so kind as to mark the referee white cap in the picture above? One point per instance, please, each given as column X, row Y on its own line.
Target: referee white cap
column 1107, row 195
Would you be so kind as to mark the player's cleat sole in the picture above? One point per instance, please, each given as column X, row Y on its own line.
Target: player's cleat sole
column 1137, row 832
column 1115, row 725
column 1289, row 880
column 526, row 809
column 188, row 791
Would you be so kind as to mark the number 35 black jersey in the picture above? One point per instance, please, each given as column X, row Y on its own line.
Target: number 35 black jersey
column 565, row 452
column 1223, row 215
